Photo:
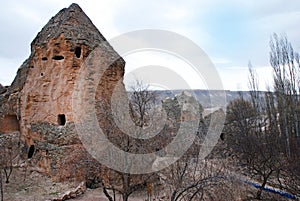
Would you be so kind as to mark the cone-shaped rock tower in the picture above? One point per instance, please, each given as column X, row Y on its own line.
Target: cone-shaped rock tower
column 38, row 104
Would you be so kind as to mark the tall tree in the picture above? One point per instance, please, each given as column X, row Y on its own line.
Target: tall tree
column 285, row 63
column 286, row 66
column 256, row 100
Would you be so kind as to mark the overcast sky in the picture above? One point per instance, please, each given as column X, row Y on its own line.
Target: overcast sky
column 231, row 32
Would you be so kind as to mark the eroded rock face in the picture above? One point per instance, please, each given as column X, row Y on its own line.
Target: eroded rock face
column 2, row 89
column 9, row 123
column 40, row 97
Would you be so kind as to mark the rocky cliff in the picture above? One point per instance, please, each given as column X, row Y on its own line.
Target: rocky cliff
column 38, row 104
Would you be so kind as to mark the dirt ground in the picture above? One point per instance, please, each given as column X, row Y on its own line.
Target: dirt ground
column 36, row 187
column 33, row 186
column 97, row 194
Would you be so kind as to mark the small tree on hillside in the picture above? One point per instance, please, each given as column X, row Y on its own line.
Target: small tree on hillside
column 142, row 100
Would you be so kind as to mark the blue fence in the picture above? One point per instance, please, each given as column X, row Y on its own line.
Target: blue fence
column 272, row 190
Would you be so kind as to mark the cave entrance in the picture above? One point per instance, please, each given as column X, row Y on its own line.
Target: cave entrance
column 58, row 57
column 222, row 136
column 61, row 119
column 78, row 52
column 31, row 151
column 9, row 123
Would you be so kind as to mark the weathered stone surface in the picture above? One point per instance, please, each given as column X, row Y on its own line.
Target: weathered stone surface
column 39, row 101
column 2, row 89
column 80, row 189
column 9, row 123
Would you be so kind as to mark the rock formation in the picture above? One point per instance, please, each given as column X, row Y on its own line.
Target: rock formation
column 2, row 89
column 38, row 104
column 80, row 189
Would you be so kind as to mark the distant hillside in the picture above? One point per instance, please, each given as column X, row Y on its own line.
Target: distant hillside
column 205, row 96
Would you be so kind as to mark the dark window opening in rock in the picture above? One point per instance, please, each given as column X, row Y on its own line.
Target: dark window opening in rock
column 31, row 66
column 78, row 52
column 31, row 151
column 9, row 123
column 61, row 119
column 222, row 136
column 58, row 57
column 44, row 58
column 42, row 74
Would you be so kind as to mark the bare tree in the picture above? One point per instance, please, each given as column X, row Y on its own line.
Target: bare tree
column 9, row 149
column 254, row 146
column 285, row 63
column 192, row 178
column 123, row 184
column 263, row 133
column 9, row 152
column 124, row 125
column 142, row 100
column 257, row 101
column 284, row 107
column 120, row 182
